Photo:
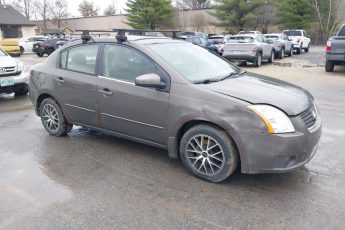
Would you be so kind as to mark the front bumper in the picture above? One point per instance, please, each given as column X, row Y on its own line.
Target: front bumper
column 20, row 80
column 267, row 153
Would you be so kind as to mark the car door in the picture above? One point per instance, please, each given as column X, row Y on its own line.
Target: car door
column 75, row 83
column 266, row 52
column 125, row 108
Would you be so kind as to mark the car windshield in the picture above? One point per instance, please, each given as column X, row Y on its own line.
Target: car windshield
column 246, row 32
column 216, row 39
column 194, row 62
column 293, row 33
column 241, row 39
column 188, row 34
column 272, row 37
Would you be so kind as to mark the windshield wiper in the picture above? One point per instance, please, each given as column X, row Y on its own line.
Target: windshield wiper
column 232, row 75
column 206, row 81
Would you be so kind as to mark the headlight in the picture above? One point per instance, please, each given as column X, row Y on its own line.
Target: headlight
column 276, row 121
column 20, row 66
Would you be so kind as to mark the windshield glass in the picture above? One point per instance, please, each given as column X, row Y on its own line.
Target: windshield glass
column 194, row 62
column 246, row 32
column 2, row 53
column 241, row 39
column 293, row 33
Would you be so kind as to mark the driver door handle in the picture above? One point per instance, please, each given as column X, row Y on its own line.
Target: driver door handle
column 105, row 92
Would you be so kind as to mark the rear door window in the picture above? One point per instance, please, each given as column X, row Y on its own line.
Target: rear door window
column 342, row 31
column 81, row 59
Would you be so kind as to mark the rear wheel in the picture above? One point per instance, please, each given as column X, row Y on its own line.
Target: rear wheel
column 258, row 60
column 329, row 66
column 272, row 57
column 208, row 153
column 281, row 53
column 40, row 54
column 307, row 49
column 21, row 50
column 290, row 52
column 53, row 119
column 298, row 51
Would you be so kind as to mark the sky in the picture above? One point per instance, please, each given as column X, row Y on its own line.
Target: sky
column 120, row 5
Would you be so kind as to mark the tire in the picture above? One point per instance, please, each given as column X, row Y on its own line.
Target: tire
column 217, row 163
column 40, row 54
column 272, row 57
column 307, row 49
column 21, row 50
column 290, row 52
column 281, row 53
column 23, row 91
column 329, row 66
column 50, row 51
column 55, row 123
column 298, row 51
column 258, row 60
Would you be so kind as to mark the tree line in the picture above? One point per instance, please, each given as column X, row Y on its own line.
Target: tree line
column 233, row 15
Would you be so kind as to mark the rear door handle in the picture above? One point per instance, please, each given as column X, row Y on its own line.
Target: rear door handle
column 60, row 80
column 106, row 92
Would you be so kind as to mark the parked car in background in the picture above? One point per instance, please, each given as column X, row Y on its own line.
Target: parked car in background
column 147, row 33
column 335, row 50
column 177, row 96
column 249, row 48
column 12, row 76
column 300, row 40
column 184, row 35
column 200, row 41
column 282, row 44
column 46, row 46
column 219, row 41
column 249, row 32
column 63, row 41
column 11, row 46
column 27, row 44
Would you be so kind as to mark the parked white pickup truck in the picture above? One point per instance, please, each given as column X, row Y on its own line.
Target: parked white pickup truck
column 300, row 40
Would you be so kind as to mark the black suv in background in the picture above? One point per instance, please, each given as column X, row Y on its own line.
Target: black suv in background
column 48, row 46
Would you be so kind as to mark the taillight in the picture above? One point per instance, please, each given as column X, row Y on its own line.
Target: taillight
column 329, row 46
column 254, row 50
column 298, row 40
column 222, row 50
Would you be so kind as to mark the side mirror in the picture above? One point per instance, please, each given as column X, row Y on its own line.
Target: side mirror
column 150, row 80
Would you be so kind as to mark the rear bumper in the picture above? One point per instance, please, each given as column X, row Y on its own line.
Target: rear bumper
column 266, row 153
column 231, row 57
column 335, row 57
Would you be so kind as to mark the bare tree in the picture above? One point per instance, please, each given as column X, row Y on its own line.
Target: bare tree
column 264, row 17
column 58, row 10
column 88, row 9
column 197, row 22
column 193, row 4
column 330, row 16
column 41, row 7
column 23, row 6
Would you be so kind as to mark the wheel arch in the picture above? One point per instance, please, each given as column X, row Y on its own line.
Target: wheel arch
column 174, row 142
column 39, row 100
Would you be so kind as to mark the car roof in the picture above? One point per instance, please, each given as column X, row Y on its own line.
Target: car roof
column 246, row 35
column 143, row 40
column 273, row 34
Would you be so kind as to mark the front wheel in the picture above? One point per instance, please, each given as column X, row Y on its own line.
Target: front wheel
column 271, row 58
column 22, row 91
column 40, row 54
column 281, row 53
column 307, row 49
column 290, row 52
column 208, row 153
column 53, row 119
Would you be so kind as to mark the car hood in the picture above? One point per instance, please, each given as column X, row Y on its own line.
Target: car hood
column 7, row 61
column 258, row 89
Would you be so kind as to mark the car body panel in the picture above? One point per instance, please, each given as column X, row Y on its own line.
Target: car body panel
column 157, row 117
column 280, row 41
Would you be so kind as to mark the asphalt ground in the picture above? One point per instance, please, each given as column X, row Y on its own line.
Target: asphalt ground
column 90, row 180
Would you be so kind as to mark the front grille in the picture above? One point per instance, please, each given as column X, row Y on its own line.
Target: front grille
column 309, row 116
column 8, row 69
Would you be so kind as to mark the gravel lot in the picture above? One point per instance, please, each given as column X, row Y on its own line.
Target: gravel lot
column 90, row 180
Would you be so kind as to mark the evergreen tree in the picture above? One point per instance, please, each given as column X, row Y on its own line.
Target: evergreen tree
column 236, row 13
column 148, row 14
column 294, row 14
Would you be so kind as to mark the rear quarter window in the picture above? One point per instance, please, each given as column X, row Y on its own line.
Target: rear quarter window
column 342, row 31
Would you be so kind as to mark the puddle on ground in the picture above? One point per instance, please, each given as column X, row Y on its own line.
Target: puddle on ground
column 24, row 187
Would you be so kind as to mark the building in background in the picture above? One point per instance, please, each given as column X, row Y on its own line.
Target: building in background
column 13, row 24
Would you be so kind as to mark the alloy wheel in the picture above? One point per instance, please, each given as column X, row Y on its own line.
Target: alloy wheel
column 205, row 155
column 50, row 118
